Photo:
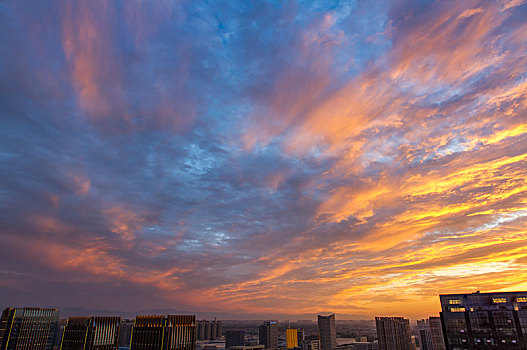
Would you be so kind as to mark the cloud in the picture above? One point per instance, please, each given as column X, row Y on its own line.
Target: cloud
column 261, row 157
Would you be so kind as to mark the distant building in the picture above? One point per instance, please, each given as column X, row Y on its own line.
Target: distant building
column 300, row 336
column 327, row 332
column 436, row 330
column 208, row 330
column 174, row 332
column 234, row 338
column 291, row 336
column 91, row 333
column 430, row 334
column 28, row 328
column 485, row 320
column 311, row 345
column 248, row 347
column 365, row 345
column 268, row 335
column 393, row 333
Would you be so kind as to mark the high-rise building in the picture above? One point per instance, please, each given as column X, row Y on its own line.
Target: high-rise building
column 300, row 336
column 125, row 332
column 291, row 336
column 327, row 332
column 268, row 335
column 436, row 332
column 424, row 334
column 485, row 320
column 172, row 332
column 28, row 328
column 234, row 338
column 91, row 333
column 393, row 333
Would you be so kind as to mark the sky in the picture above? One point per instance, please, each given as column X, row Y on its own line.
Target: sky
column 262, row 158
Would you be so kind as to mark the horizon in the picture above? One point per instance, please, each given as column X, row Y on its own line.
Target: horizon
column 262, row 158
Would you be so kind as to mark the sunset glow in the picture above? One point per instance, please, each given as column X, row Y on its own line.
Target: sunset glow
column 262, row 158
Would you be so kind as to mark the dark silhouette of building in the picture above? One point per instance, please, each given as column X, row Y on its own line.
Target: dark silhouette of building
column 394, row 333
column 327, row 332
column 172, row 332
column 268, row 335
column 28, row 328
column 234, row 338
column 436, row 331
column 125, row 332
column 485, row 320
column 91, row 333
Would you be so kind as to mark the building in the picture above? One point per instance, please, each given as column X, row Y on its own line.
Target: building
column 174, row 332
column 424, row 334
column 28, row 328
column 311, row 345
column 208, row 330
column 484, row 320
column 436, row 332
column 91, row 333
column 268, row 335
column 327, row 332
column 393, row 333
column 291, row 336
column 125, row 332
column 234, row 338
column 300, row 336
column 248, row 347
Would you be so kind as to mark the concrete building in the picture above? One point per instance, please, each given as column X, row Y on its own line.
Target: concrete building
column 311, row 345
column 327, row 332
column 484, row 320
column 394, row 333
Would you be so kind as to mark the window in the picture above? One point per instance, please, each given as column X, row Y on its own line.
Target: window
column 457, row 309
column 454, row 301
column 521, row 299
column 499, row 300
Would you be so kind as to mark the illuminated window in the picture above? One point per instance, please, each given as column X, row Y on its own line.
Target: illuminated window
column 521, row 299
column 499, row 300
column 457, row 309
column 454, row 301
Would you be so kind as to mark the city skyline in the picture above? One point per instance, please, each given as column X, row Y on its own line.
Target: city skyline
column 266, row 160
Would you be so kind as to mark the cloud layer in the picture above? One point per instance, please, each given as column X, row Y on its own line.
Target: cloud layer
column 262, row 158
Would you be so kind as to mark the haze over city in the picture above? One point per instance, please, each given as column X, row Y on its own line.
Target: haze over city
column 262, row 159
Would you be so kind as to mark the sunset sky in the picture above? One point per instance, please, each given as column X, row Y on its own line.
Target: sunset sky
column 262, row 158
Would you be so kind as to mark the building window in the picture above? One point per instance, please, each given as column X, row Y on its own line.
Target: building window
column 457, row 309
column 454, row 301
column 521, row 299
column 499, row 300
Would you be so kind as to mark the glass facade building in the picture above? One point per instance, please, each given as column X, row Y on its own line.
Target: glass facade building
column 91, row 333
column 172, row 332
column 327, row 332
column 484, row 320
column 28, row 328
column 268, row 335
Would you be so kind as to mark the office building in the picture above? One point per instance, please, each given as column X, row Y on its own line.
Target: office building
column 172, row 332
column 484, row 320
column 394, row 333
column 28, row 328
column 327, row 332
column 234, row 338
column 424, row 335
column 291, row 336
column 125, row 332
column 300, row 336
column 91, row 333
column 268, row 335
